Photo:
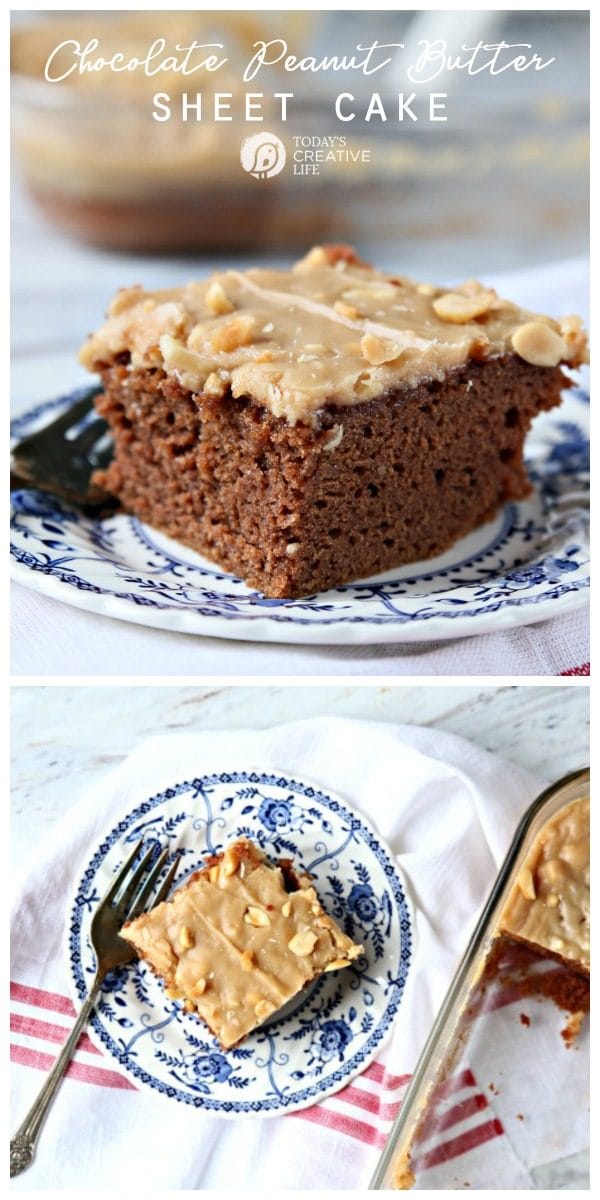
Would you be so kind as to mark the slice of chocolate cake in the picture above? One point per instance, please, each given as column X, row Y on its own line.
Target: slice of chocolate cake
column 240, row 940
column 308, row 427
column 549, row 906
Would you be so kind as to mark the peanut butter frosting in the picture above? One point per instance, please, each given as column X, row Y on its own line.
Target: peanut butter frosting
column 330, row 331
column 550, row 902
column 235, row 945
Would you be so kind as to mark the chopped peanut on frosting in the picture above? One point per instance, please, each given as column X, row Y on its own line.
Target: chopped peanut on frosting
column 330, row 330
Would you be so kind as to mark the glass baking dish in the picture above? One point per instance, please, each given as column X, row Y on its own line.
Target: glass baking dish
column 497, row 1099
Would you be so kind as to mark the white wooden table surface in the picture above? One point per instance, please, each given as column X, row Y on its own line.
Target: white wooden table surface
column 66, row 738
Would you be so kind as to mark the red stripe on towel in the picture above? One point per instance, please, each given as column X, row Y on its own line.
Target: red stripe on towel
column 460, row 1112
column 41, row 999
column 370, row 1102
column 51, row 1033
column 458, row 1145
column 340, row 1123
column 75, row 1070
column 381, row 1074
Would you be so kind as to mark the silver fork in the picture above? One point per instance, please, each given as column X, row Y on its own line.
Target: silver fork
column 128, row 896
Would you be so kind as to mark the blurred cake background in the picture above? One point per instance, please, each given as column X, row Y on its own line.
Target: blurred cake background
column 511, row 156
column 105, row 196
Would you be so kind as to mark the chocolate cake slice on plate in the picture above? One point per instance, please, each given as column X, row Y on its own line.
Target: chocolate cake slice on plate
column 308, row 427
column 240, row 940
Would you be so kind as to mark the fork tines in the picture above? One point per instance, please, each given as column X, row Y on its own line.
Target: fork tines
column 129, row 893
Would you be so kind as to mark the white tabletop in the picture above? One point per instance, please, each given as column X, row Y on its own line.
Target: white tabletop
column 67, row 738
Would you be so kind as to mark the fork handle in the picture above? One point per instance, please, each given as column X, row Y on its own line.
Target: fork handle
column 23, row 1144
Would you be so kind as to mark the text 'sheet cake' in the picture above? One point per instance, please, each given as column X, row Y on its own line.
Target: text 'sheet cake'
column 308, row 427
column 240, row 940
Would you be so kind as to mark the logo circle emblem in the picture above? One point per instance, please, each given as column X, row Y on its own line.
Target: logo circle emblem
column 263, row 155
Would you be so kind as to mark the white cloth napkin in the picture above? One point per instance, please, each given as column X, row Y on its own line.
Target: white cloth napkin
column 51, row 638
column 446, row 808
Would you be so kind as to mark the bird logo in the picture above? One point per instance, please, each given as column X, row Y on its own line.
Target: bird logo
column 263, row 155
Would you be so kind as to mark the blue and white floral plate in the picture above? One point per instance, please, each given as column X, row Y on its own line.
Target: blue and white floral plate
column 334, row 1030
column 530, row 563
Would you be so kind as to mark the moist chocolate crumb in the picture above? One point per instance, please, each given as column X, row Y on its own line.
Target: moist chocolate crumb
column 416, row 469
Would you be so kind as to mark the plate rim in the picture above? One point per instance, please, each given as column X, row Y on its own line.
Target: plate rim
column 436, row 629
column 204, row 1104
column 513, row 611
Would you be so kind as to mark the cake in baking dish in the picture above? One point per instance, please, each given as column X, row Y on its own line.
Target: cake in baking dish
column 549, row 905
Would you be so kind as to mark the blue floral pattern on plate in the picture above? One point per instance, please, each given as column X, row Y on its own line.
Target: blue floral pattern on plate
column 531, row 562
column 328, row 1034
